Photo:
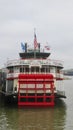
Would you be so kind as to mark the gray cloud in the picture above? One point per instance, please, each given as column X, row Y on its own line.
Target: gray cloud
column 53, row 20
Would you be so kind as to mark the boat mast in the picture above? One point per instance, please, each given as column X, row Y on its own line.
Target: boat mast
column 35, row 43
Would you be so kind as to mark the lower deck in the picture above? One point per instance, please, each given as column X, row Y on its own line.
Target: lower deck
column 32, row 99
column 36, row 90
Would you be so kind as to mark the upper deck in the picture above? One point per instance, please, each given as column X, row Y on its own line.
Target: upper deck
column 35, row 62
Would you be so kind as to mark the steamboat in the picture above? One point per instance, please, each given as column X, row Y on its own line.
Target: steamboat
column 33, row 77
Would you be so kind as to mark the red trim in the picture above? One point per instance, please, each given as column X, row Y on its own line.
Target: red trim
column 36, row 76
column 59, row 78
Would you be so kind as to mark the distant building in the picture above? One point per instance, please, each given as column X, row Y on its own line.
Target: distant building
column 68, row 72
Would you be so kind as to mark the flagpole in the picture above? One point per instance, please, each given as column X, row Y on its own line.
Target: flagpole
column 34, row 43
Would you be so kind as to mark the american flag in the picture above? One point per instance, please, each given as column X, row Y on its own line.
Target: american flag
column 35, row 42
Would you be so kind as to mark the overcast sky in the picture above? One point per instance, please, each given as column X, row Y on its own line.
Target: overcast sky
column 53, row 20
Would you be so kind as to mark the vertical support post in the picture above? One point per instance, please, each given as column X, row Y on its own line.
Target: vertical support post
column 52, row 90
column 18, row 92
column 44, row 96
column 35, row 91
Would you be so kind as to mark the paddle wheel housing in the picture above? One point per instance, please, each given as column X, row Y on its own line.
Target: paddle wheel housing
column 36, row 90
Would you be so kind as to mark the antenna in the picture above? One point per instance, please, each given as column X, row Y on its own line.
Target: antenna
column 34, row 31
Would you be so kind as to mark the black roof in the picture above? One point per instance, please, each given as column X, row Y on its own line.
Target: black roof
column 28, row 55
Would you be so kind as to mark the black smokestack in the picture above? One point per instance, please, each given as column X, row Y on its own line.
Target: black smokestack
column 25, row 47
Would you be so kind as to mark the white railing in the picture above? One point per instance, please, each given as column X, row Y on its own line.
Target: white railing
column 12, row 75
column 59, row 75
column 33, row 62
column 15, row 75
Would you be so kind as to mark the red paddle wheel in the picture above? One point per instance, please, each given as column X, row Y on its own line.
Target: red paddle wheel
column 36, row 90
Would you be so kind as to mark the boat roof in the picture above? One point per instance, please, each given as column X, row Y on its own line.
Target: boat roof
column 27, row 55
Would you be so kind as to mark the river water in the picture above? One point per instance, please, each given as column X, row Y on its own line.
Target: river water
column 60, row 117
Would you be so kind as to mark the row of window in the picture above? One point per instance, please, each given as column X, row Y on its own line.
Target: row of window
column 32, row 69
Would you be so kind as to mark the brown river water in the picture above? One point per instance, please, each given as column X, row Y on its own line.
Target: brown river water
column 59, row 117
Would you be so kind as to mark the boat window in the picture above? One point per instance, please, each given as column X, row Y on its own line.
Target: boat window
column 37, row 69
column 42, row 69
column 26, row 69
column 47, row 70
column 32, row 69
column 11, row 70
column 21, row 69
column 58, row 70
